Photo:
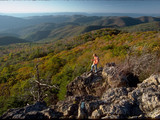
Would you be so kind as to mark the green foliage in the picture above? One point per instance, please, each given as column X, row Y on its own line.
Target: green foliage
column 63, row 89
column 53, row 66
column 108, row 47
column 15, row 101
column 7, row 74
column 62, row 79
column 22, row 88
column 37, row 54
column 51, row 96
column 11, row 102
column 119, row 50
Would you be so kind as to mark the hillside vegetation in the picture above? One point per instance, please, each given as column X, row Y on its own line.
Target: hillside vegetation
column 61, row 61
column 6, row 40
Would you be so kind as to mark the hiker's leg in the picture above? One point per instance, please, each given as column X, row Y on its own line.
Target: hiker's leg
column 95, row 68
column 92, row 67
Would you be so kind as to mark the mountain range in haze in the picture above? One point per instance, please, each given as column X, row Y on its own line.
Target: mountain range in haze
column 38, row 28
column 81, row 13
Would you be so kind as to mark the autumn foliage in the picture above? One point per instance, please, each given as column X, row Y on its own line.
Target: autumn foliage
column 60, row 62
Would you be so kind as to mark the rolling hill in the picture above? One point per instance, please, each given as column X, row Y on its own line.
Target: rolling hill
column 6, row 40
column 151, row 26
column 45, row 28
column 54, row 31
column 8, row 22
column 57, row 27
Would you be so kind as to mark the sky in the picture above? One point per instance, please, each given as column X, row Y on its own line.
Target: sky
column 87, row 6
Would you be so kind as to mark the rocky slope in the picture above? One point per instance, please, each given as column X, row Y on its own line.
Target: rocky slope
column 103, row 95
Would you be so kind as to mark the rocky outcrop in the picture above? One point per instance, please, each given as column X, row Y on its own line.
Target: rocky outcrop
column 147, row 96
column 88, row 83
column 96, row 96
column 39, row 110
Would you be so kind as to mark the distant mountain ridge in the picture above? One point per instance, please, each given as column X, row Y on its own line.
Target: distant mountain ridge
column 81, row 13
column 6, row 40
column 38, row 28
column 8, row 22
column 150, row 26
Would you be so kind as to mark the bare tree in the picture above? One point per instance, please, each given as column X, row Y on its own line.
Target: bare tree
column 39, row 87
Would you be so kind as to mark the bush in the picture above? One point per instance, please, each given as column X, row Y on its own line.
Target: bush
column 7, row 73
column 143, row 66
column 62, row 79
column 11, row 102
column 108, row 47
column 119, row 50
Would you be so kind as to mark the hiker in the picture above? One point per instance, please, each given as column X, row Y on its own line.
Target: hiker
column 95, row 62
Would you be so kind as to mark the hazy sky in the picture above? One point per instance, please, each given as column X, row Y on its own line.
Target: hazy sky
column 89, row 6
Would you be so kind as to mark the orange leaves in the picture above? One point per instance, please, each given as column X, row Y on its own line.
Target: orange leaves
column 24, row 73
column 4, row 89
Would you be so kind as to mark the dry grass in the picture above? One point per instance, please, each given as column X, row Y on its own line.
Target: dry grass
column 142, row 66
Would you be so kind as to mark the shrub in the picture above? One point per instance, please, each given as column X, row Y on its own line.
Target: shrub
column 62, row 79
column 119, row 50
column 108, row 47
column 142, row 66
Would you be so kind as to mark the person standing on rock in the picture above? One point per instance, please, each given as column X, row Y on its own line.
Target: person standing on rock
column 95, row 62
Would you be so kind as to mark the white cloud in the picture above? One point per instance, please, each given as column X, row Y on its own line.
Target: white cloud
column 23, row 7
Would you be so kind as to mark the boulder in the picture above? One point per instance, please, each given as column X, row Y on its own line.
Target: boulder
column 109, row 70
column 147, row 96
column 87, row 84
column 117, row 103
column 71, row 106
column 72, row 110
column 96, row 114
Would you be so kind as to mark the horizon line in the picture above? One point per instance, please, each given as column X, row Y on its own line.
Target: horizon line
column 75, row 12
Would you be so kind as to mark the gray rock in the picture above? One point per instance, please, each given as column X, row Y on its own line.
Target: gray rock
column 111, row 117
column 96, row 114
column 34, row 115
column 121, row 108
column 39, row 110
column 93, row 105
column 147, row 97
column 87, row 84
column 154, row 114
column 115, row 93
column 38, row 106
column 72, row 110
